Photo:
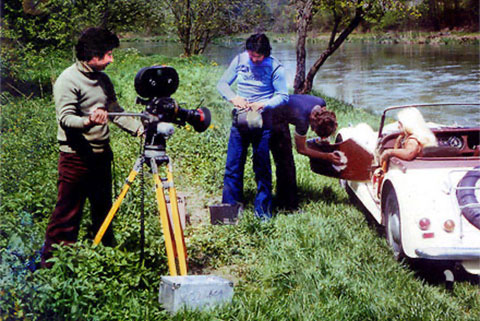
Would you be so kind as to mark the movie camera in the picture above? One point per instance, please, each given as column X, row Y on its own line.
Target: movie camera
column 154, row 86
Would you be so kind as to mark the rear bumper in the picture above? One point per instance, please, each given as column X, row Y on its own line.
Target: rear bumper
column 449, row 253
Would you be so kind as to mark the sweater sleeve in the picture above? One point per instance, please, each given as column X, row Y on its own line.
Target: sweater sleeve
column 66, row 100
column 227, row 80
column 280, row 97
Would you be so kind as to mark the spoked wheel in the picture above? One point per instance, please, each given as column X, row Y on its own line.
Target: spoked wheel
column 393, row 224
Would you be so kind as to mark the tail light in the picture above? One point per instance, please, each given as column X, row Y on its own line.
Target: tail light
column 449, row 226
column 424, row 224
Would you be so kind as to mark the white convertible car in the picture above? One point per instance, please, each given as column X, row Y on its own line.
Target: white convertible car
column 429, row 206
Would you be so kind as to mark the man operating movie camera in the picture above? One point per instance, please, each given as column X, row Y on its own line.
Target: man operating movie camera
column 85, row 101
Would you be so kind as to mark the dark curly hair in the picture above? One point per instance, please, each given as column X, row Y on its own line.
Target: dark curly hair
column 259, row 43
column 323, row 122
column 95, row 42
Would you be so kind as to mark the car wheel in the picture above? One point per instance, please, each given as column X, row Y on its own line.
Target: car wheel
column 393, row 224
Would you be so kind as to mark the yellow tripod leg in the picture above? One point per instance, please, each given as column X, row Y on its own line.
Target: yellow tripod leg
column 179, row 238
column 162, row 209
column 118, row 201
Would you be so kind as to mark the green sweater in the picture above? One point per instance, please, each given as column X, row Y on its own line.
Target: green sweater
column 78, row 91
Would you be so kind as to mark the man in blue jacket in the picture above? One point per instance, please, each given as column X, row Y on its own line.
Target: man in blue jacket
column 302, row 111
column 261, row 86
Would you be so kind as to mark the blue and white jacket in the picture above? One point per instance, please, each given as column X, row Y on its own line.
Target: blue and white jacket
column 263, row 82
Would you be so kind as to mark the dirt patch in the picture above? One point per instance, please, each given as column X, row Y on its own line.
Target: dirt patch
column 197, row 203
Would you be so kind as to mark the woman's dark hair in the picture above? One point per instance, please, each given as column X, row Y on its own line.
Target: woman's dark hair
column 259, row 43
column 323, row 122
column 95, row 42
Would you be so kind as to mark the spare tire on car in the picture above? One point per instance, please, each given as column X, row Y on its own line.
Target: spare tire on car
column 466, row 197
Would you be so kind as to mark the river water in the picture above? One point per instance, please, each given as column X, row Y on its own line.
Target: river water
column 375, row 76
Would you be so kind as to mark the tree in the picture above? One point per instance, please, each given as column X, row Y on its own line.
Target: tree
column 346, row 15
column 57, row 23
column 32, row 29
column 197, row 22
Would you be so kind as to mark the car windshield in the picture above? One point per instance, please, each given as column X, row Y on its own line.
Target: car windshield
column 451, row 115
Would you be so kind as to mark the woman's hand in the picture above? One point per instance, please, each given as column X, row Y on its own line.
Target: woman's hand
column 385, row 156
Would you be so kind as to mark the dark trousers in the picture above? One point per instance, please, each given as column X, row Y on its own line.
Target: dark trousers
column 281, row 147
column 234, row 169
column 79, row 178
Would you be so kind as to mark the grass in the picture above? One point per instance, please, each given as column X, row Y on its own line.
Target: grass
column 323, row 262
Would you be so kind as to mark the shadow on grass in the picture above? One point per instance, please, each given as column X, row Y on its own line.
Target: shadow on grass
column 432, row 272
column 372, row 223
column 324, row 193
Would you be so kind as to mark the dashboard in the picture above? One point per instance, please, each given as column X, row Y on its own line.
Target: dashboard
column 466, row 141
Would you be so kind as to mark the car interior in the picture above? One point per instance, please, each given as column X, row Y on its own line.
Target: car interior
column 452, row 142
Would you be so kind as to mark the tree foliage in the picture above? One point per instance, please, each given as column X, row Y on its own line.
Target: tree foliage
column 32, row 28
column 346, row 16
column 439, row 14
column 56, row 23
column 197, row 22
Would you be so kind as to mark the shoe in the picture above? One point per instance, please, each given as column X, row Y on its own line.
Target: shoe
column 263, row 217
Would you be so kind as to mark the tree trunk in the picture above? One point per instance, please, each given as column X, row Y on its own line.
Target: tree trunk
column 304, row 18
column 434, row 15
column 333, row 45
column 188, row 32
column 105, row 15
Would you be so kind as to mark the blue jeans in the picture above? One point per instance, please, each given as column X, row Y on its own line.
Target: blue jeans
column 234, row 168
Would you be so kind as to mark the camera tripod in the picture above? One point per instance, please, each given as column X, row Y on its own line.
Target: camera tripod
column 174, row 239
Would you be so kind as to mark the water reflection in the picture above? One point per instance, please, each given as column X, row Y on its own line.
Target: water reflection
column 375, row 76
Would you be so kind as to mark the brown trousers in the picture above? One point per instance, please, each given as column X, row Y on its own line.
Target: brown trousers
column 79, row 178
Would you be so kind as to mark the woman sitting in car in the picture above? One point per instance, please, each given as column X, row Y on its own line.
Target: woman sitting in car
column 414, row 137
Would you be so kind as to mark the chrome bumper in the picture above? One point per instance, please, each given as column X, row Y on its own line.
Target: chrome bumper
column 449, row 253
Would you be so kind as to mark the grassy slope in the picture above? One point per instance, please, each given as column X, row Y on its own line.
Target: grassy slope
column 321, row 263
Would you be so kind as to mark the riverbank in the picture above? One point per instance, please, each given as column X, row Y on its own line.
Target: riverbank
column 323, row 262
column 445, row 37
column 409, row 37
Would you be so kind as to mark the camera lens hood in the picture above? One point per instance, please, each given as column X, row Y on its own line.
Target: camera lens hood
column 156, row 81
